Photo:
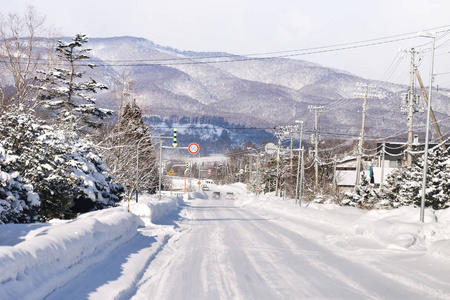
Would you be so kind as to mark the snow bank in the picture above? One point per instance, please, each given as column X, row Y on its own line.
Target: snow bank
column 39, row 265
column 47, row 256
column 152, row 211
column 398, row 229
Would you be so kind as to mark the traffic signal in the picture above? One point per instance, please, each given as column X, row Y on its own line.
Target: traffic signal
column 174, row 144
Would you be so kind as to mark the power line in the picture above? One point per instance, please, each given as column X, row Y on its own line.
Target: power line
column 252, row 56
column 241, row 58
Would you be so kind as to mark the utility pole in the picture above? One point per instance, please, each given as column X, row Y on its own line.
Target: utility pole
column 258, row 188
column 316, row 109
column 277, row 182
column 433, row 117
column 382, row 165
column 334, row 175
column 425, row 159
column 366, row 95
column 281, row 132
column 411, row 102
column 302, row 175
column 300, row 149
column 291, row 134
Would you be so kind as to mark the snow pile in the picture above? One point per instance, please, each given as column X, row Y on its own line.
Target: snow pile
column 42, row 257
column 397, row 229
column 152, row 211
column 35, row 266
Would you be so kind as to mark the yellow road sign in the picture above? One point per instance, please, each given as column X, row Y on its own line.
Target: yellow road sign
column 171, row 172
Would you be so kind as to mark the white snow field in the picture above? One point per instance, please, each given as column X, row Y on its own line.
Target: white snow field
column 244, row 248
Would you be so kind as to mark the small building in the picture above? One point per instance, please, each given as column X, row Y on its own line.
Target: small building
column 375, row 170
column 346, row 173
column 394, row 157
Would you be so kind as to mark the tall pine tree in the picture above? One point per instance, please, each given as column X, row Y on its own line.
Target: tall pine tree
column 64, row 91
column 129, row 144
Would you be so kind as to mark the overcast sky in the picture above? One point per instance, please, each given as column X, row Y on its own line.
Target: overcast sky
column 260, row 26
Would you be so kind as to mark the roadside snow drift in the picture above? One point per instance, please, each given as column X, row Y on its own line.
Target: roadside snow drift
column 156, row 212
column 398, row 229
column 63, row 250
column 37, row 259
column 37, row 266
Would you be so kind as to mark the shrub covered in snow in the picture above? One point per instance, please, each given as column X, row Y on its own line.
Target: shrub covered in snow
column 18, row 202
column 65, row 172
column 94, row 188
column 363, row 196
column 404, row 185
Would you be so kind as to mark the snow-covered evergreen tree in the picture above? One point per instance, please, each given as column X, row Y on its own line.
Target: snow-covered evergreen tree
column 363, row 196
column 18, row 202
column 129, row 138
column 65, row 92
column 404, row 185
column 66, row 173
column 94, row 188
column 39, row 156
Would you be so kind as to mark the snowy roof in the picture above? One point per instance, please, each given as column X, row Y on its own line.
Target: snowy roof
column 347, row 177
column 347, row 163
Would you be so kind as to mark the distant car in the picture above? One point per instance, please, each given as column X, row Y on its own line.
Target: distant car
column 208, row 181
column 205, row 187
column 229, row 195
column 216, row 195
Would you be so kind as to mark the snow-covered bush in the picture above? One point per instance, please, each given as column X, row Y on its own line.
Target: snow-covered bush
column 363, row 195
column 404, row 185
column 94, row 188
column 18, row 202
column 65, row 172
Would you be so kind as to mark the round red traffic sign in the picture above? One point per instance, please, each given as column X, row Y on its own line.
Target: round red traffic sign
column 209, row 171
column 193, row 148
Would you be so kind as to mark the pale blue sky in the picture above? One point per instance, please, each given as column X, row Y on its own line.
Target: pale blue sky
column 258, row 26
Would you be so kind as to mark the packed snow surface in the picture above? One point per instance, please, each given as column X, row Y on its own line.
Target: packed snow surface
column 249, row 247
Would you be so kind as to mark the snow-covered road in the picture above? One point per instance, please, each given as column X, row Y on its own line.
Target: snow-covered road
column 225, row 249
column 229, row 252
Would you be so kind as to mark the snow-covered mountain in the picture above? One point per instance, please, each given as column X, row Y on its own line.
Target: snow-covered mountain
column 249, row 91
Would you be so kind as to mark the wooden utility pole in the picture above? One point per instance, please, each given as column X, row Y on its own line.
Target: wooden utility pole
column 436, row 126
column 316, row 109
column 382, row 165
column 334, row 175
column 366, row 95
column 411, row 101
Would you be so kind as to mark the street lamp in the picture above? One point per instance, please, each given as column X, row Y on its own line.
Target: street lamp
column 425, row 163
